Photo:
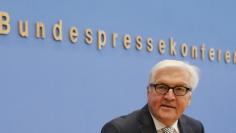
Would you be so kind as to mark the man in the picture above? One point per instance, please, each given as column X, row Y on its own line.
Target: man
column 169, row 92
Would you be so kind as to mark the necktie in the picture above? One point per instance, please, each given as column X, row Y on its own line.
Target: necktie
column 168, row 130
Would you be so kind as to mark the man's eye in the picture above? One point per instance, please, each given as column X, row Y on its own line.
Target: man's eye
column 180, row 89
column 162, row 87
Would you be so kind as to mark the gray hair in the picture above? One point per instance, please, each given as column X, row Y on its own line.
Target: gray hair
column 193, row 70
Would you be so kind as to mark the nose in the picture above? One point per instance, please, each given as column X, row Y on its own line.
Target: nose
column 169, row 95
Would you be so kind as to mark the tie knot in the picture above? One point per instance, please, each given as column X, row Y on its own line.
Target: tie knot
column 168, row 130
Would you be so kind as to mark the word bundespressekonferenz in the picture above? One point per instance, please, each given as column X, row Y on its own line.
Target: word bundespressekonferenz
column 162, row 46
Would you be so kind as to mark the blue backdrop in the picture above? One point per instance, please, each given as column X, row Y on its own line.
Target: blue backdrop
column 59, row 87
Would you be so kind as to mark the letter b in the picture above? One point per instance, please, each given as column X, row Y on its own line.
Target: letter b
column 4, row 23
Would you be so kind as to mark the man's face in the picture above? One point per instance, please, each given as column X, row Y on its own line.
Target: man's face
column 168, row 108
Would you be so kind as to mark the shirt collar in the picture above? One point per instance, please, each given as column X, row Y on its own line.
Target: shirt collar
column 160, row 125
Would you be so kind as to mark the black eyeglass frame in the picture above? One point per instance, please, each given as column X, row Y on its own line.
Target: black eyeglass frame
column 173, row 88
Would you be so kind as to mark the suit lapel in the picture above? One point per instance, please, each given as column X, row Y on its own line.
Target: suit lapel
column 146, row 129
column 183, row 126
column 146, row 122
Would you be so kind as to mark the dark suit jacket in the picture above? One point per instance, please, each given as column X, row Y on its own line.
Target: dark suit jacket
column 140, row 121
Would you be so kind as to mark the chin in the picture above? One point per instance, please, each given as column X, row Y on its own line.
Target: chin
column 168, row 116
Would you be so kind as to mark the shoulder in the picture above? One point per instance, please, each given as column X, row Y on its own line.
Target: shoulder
column 123, row 124
column 189, row 123
column 190, row 120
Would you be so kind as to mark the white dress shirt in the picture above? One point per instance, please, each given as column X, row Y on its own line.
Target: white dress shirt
column 160, row 125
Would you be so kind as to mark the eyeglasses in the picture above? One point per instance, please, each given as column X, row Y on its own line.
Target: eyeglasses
column 163, row 89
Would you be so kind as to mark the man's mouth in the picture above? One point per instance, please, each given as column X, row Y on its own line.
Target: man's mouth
column 168, row 106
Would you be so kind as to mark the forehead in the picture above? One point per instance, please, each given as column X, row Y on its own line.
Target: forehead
column 172, row 76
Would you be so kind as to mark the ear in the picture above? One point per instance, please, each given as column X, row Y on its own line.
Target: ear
column 148, row 90
column 190, row 99
column 189, row 102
